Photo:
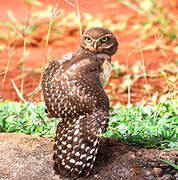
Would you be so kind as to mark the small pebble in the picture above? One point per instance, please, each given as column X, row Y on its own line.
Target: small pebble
column 166, row 177
column 157, row 171
column 176, row 176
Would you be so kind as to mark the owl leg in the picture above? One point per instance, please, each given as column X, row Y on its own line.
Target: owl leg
column 76, row 145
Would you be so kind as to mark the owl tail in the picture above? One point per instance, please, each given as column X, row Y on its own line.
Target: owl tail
column 76, row 145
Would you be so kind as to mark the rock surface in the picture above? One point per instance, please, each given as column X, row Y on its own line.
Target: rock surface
column 30, row 158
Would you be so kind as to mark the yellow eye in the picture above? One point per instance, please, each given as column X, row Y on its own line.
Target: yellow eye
column 88, row 39
column 104, row 39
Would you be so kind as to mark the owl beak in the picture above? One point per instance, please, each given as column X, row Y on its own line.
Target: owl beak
column 95, row 45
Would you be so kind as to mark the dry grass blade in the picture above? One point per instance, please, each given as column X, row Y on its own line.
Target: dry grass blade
column 34, row 92
column 13, row 20
column 11, row 53
column 79, row 18
column 23, row 64
column 54, row 14
column 24, row 49
column 34, row 3
column 70, row 3
column 129, row 80
column 129, row 4
column 173, row 87
column 76, row 5
column 143, row 67
column 129, row 84
column 18, row 92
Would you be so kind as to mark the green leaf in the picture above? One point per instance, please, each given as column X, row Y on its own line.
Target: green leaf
column 171, row 164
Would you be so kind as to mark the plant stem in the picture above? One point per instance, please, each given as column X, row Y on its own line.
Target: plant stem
column 23, row 63
column 7, row 67
column 79, row 18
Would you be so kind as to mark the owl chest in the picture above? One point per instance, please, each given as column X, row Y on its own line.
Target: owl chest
column 105, row 73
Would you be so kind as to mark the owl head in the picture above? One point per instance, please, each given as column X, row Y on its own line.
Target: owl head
column 99, row 40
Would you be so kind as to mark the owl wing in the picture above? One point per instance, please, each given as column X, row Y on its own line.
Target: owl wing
column 76, row 144
column 71, row 87
column 74, row 92
column 77, row 138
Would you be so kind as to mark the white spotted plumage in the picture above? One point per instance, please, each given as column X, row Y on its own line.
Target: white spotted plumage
column 73, row 91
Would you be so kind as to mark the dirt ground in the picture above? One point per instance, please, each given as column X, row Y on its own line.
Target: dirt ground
column 70, row 41
column 29, row 157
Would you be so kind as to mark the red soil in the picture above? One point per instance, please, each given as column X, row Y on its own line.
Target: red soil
column 152, row 58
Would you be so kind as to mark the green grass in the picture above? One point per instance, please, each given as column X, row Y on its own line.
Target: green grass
column 26, row 118
column 149, row 126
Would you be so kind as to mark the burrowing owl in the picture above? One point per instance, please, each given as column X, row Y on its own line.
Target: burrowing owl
column 73, row 91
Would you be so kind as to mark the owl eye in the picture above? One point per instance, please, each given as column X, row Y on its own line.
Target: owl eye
column 88, row 39
column 104, row 39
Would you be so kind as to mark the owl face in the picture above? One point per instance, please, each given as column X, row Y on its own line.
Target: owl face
column 99, row 40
